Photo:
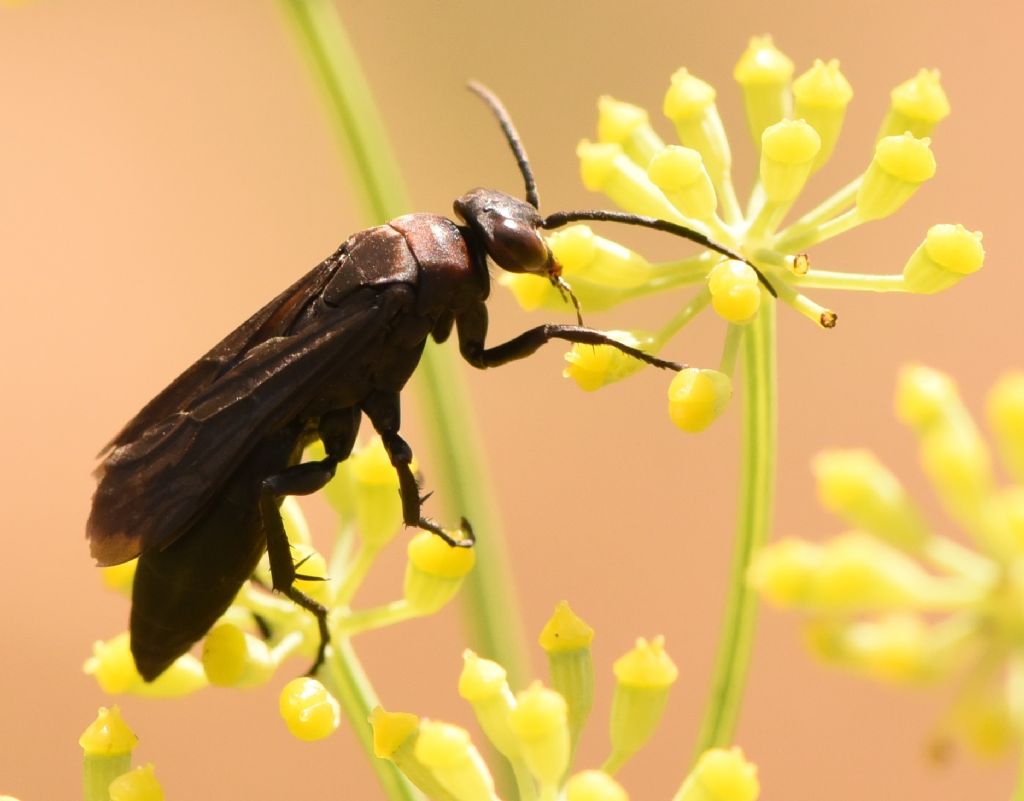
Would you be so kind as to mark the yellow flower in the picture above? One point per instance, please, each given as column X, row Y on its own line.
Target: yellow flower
column 795, row 125
column 537, row 730
column 897, row 601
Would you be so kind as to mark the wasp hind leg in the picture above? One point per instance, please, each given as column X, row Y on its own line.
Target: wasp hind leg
column 338, row 432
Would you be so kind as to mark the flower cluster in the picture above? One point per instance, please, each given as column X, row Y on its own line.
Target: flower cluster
column 260, row 630
column 895, row 600
column 795, row 125
column 538, row 729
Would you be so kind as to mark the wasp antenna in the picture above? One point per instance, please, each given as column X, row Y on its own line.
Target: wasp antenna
column 511, row 136
column 560, row 218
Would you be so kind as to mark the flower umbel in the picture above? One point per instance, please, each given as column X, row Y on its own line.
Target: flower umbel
column 795, row 125
column 900, row 603
column 537, row 729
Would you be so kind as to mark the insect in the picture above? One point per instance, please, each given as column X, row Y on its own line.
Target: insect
column 192, row 484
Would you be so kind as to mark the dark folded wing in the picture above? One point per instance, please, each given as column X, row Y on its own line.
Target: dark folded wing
column 274, row 319
column 154, row 485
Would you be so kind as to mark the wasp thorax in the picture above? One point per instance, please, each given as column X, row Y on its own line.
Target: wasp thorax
column 509, row 229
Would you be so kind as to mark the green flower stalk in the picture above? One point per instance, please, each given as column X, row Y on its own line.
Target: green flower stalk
column 795, row 124
column 898, row 602
column 107, row 773
column 107, row 746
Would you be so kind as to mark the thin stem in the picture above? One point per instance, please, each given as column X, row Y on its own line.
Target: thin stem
column 836, row 204
column 688, row 312
column 824, row 279
column 343, row 676
column 733, row 338
column 355, row 571
column 757, row 489
column 374, row 618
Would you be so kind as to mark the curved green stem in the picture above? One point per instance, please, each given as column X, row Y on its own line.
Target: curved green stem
column 757, row 489
column 342, row 674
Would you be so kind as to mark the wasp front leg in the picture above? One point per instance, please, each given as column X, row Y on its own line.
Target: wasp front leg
column 472, row 328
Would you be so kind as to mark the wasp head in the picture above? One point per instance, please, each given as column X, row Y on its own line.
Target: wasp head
column 509, row 230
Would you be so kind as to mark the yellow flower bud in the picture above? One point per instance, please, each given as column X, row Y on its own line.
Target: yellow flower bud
column 114, row 668
column 924, row 397
column 594, row 785
column 895, row 648
column 957, row 461
column 696, row 398
column 822, row 95
column 644, row 677
column 377, row 504
column 680, row 173
column 1006, row 417
column 531, row 292
column 391, row 730
column 596, row 366
column 456, row 764
column 948, row 253
column 565, row 631
column 596, row 260
column 860, row 574
column 233, row 658
column 395, row 735
column 690, row 104
column 918, row 105
column 606, row 168
column 721, row 775
column 855, row 485
column 108, row 734
column 485, row 685
column 764, row 73
column 119, row 578
column 566, row 639
column 788, row 151
column 901, row 164
column 540, row 722
column 434, row 572
column 735, row 292
column 107, row 746
column 784, row 572
column 627, row 125
column 309, row 711
column 137, row 785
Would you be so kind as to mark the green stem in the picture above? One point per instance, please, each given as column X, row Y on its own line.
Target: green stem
column 757, row 489
column 344, row 677
column 861, row 282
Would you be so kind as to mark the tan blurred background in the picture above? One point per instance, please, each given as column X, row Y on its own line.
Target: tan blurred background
column 166, row 167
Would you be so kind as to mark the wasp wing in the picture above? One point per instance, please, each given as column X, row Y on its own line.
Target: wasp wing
column 152, row 486
column 274, row 319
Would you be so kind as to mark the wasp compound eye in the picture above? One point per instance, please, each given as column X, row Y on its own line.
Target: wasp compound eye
column 509, row 230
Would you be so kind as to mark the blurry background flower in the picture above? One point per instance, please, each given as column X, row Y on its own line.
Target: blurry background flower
column 913, row 603
column 167, row 169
